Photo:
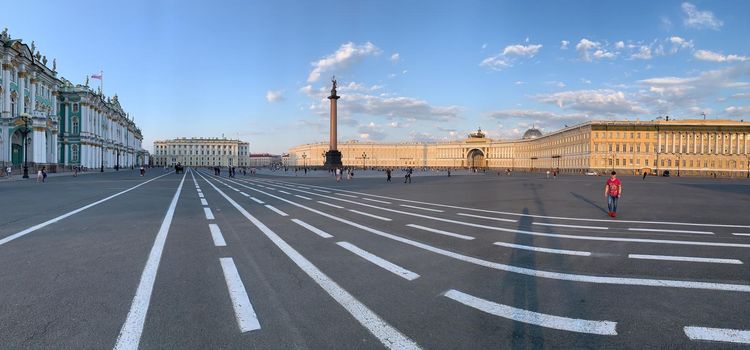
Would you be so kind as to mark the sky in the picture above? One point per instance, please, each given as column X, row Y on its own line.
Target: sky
column 407, row 71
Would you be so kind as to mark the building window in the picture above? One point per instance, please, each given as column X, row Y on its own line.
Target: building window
column 74, row 153
column 74, row 126
column 75, row 108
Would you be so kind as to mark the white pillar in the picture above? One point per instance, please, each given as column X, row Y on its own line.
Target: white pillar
column 6, row 92
column 32, row 100
column 40, row 146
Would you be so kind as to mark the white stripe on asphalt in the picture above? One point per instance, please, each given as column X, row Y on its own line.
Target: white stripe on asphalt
column 684, row 258
column 199, row 190
column 303, row 197
column 130, row 333
column 319, row 190
column 376, row 200
column 486, row 217
column 572, row 226
column 535, row 318
column 331, row 205
column 276, row 210
column 543, row 250
column 209, row 214
column 528, row 271
column 312, row 228
column 420, row 208
column 390, row 337
column 284, row 192
column 370, row 215
column 740, row 234
column 385, row 264
column 718, row 334
column 535, row 216
column 52, row 221
column 542, row 234
column 217, row 236
column 446, row 233
column 200, row 195
column 346, row 195
column 243, row 309
column 203, row 202
column 256, row 200
column 244, row 194
column 669, row 231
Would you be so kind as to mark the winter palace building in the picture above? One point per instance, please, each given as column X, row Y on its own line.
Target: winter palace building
column 48, row 121
column 689, row 147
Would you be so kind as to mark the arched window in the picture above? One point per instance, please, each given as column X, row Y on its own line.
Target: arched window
column 74, row 153
column 74, row 126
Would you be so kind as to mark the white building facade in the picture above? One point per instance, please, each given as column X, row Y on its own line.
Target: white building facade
column 199, row 151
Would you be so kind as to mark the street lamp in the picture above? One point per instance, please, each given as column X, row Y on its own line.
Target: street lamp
column 364, row 157
column 25, row 132
column 102, row 168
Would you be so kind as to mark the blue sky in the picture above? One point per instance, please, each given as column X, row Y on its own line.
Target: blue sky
column 408, row 70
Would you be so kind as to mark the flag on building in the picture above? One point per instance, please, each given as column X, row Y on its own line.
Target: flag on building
column 96, row 76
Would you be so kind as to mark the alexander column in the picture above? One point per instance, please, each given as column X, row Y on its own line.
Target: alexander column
column 333, row 156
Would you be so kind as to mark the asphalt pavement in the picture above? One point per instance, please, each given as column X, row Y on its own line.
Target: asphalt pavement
column 195, row 261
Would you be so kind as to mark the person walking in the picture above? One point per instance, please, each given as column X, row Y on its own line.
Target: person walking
column 407, row 177
column 338, row 174
column 547, row 174
column 44, row 173
column 388, row 175
column 143, row 170
column 613, row 191
column 39, row 176
column 644, row 175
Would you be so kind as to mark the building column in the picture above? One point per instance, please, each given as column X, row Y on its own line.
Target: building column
column 6, row 91
column 21, row 95
column 40, row 145
column 32, row 99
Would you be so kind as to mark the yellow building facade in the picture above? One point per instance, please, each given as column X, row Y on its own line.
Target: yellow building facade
column 682, row 147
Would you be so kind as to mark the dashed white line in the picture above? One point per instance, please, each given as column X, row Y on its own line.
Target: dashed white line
column 385, row 264
column 247, row 320
column 346, row 195
column 370, row 215
column 244, row 194
column 543, row 250
column 572, row 226
column 684, row 258
column 669, row 231
column 203, row 202
column 532, row 317
column 130, row 333
column 284, row 192
column 446, row 233
column 209, row 214
column 375, row 200
column 256, row 200
column 486, row 217
column 331, row 205
column 319, row 190
column 740, row 234
column 200, row 195
column 303, row 197
column 276, row 210
column 312, row 228
column 217, row 236
column 420, row 208
column 718, row 334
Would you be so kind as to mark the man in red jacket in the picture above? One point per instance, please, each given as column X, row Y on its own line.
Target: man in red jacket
column 613, row 191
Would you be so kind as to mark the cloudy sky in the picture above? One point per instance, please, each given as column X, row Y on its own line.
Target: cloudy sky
column 407, row 70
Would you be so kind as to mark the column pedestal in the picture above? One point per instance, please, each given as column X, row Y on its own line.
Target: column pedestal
column 333, row 160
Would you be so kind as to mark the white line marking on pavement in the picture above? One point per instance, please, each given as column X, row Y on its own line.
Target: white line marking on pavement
column 130, row 333
column 303, row 197
column 203, row 202
column 740, row 234
column 543, row 250
column 346, row 195
column 420, row 208
column 319, row 190
column 244, row 194
column 486, row 217
column 446, row 233
column 217, row 236
column 304, row 188
column 532, row 215
column 200, row 195
column 243, row 309
column 271, row 188
column 256, row 200
column 718, row 334
column 284, row 192
column 572, row 226
column 532, row 272
column 331, row 205
column 670, row 231
column 376, row 200
column 390, row 337
column 276, row 210
column 535, row 318
column 370, row 215
column 542, row 234
column 199, row 190
column 312, row 228
column 54, row 220
column 385, row 264
column 684, row 258
column 209, row 214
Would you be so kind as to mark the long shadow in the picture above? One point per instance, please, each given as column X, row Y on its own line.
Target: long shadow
column 589, row 202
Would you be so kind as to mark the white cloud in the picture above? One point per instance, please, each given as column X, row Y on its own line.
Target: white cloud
column 395, row 57
column 644, row 53
column 564, row 44
column 497, row 62
column 585, row 46
column 307, row 89
column 274, row 96
column 680, row 43
column 396, row 107
column 521, row 50
column 343, row 57
column 705, row 55
column 743, row 111
column 601, row 102
column 665, row 23
column 742, row 95
column 371, row 131
column 585, row 81
column 620, row 44
column 699, row 19
column 555, row 83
